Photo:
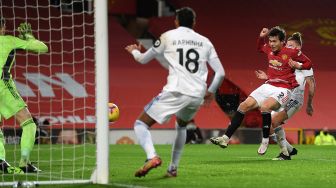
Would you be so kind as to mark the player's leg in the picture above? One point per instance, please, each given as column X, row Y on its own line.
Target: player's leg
column 249, row 104
column 158, row 110
column 5, row 167
column 28, row 127
column 177, row 148
column 292, row 107
column 2, row 143
column 144, row 137
column 252, row 102
column 10, row 101
column 276, row 100
column 183, row 117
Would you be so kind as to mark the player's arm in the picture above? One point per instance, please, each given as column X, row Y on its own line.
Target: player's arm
column 298, row 56
column 27, row 40
column 142, row 58
column 261, row 75
column 261, row 44
column 155, row 50
column 311, row 92
column 217, row 67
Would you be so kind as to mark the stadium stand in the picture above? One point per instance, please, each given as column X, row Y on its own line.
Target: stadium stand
column 235, row 41
column 133, row 85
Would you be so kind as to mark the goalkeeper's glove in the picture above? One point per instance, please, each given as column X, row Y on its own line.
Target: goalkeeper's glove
column 25, row 31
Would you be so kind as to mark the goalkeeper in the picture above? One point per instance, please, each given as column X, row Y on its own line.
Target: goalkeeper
column 11, row 103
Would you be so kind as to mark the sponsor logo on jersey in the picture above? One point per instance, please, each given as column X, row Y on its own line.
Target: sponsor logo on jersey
column 284, row 56
column 275, row 63
column 157, row 43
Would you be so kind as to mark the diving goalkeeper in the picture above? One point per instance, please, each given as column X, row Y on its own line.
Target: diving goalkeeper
column 11, row 103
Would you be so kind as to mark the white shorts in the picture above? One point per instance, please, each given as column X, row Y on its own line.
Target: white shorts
column 265, row 91
column 166, row 104
column 292, row 107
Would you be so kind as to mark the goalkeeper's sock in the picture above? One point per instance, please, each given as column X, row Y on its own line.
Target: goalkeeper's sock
column 27, row 140
column 235, row 123
column 180, row 139
column 144, row 138
column 2, row 146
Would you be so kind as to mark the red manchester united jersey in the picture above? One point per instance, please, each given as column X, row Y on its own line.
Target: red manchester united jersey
column 279, row 73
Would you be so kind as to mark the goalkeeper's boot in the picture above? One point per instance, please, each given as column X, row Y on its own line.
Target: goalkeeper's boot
column 8, row 169
column 30, row 168
column 222, row 141
column 172, row 173
column 293, row 152
column 281, row 157
column 149, row 164
column 263, row 148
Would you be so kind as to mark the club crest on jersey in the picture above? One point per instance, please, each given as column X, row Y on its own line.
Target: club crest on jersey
column 157, row 43
column 275, row 63
column 284, row 56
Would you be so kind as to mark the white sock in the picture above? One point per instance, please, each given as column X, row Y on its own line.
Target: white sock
column 144, row 138
column 273, row 137
column 265, row 140
column 281, row 136
column 181, row 135
column 226, row 138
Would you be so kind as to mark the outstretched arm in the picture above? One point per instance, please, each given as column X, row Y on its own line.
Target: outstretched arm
column 311, row 88
column 217, row 67
column 27, row 40
column 142, row 58
column 261, row 45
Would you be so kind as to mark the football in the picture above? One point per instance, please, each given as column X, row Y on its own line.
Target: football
column 113, row 112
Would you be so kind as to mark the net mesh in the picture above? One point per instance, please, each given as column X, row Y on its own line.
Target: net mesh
column 58, row 88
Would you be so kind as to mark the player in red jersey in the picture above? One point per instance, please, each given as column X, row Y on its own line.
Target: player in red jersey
column 275, row 93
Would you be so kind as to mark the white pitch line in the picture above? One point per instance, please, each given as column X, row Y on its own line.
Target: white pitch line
column 127, row 185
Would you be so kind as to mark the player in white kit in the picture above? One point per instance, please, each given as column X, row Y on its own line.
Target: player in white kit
column 187, row 54
column 293, row 106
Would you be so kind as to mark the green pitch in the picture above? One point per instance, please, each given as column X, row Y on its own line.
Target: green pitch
column 201, row 166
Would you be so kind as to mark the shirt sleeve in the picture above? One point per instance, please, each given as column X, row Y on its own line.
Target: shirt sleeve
column 300, row 57
column 30, row 45
column 160, row 44
column 217, row 67
column 144, row 58
column 262, row 46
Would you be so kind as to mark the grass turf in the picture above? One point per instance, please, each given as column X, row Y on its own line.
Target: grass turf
column 200, row 166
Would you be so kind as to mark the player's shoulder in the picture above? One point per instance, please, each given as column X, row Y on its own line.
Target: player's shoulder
column 292, row 51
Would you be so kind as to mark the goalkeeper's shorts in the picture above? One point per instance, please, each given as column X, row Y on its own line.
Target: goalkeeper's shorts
column 10, row 99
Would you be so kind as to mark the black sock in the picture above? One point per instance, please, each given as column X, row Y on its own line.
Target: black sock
column 235, row 123
column 267, row 120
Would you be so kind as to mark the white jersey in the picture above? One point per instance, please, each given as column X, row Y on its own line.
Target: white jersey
column 187, row 54
column 298, row 92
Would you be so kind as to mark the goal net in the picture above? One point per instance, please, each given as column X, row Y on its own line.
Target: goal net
column 59, row 88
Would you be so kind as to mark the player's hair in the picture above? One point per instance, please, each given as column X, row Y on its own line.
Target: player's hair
column 2, row 21
column 278, row 31
column 297, row 37
column 186, row 17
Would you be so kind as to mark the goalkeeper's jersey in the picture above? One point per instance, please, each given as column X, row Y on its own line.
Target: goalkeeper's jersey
column 8, row 45
column 187, row 54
